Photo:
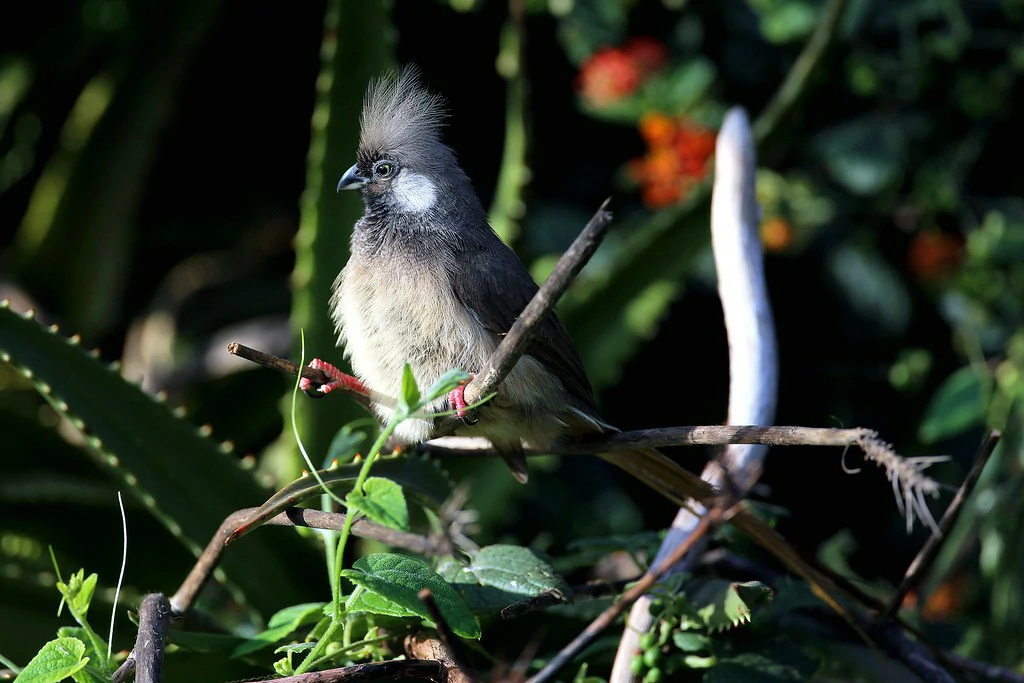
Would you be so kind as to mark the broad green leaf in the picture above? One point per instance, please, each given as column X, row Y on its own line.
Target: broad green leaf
column 399, row 579
column 865, row 155
column 501, row 575
column 420, row 478
column 280, row 626
column 689, row 641
column 383, row 501
column 57, row 660
column 445, row 383
column 723, row 604
column 957, row 405
column 410, row 397
column 186, row 480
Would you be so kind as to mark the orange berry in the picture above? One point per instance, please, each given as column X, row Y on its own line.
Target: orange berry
column 776, row 234
column 657, row 129
column 933, row 255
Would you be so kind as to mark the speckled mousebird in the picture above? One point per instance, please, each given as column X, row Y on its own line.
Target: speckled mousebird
column 428, row 282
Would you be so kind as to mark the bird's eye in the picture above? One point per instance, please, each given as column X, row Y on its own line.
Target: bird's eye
column 384, row 169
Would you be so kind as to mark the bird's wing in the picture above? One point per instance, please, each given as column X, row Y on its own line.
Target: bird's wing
column 494, row 285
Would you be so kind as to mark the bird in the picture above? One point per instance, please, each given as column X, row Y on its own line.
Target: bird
column 429, row 283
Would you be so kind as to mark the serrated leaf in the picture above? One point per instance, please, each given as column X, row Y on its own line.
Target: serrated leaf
column 399, row 579
column 420, row 478
column 184, row 479
column 280, row 626
column 723, row 604
column 957, row 405
column 518, row 570
column 56, row 660
column 381, row 500
column 79, row 593
column 410, row 397
column 501, row 575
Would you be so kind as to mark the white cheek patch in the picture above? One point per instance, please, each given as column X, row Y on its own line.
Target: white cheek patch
column 413, row 193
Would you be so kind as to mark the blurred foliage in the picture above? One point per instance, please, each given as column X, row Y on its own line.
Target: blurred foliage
column 166, row 186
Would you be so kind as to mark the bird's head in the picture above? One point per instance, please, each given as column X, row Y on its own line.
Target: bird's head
column 402, row 166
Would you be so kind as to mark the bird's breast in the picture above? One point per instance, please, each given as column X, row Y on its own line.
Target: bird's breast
column 394, row 311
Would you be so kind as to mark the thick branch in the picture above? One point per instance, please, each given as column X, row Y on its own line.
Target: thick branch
column 147, row 658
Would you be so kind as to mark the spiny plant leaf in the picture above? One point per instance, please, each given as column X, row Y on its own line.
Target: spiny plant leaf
column 187, row 481
column 382, row 501
column 723, row 604
column 423, row 479
column 58, row 659
column 501, row 575
column 399, row 579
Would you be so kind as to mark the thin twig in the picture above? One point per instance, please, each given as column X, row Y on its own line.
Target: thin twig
column 608, row 617
column 455, row 667
column 913, row 654
column 201, row 572
column 395, row 670
column 793, row 89
column 515, row 343
column 591, row 589
column 930, row 550
column 985, row 670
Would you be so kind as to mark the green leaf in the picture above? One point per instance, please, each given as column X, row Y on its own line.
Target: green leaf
column 383, row 501
column 419, row 478
column 957, row 405
column 280, row 626
column 349, row 441
column 723, row 604
column 410, row 398
column 864, row 155
column 78, row 592
column 399, row 579
column 501, row 575
column 689, row 641
column 445, row 383
column 187, row 481
column 57, row 660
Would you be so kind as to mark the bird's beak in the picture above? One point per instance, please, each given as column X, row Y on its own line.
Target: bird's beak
column 352, row 180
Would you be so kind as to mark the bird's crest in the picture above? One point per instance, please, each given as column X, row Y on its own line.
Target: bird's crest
column 401, row 118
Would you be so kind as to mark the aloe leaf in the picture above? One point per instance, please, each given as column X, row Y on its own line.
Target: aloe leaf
column 348, row 61
column 186, row 480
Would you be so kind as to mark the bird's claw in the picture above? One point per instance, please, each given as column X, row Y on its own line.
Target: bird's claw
column 338, row 380
column 457, row 401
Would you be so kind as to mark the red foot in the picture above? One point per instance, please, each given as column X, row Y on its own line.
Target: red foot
column 457, row 400
column 339, row 380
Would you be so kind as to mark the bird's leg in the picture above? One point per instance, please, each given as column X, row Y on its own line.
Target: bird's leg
column 339, row 380
column 457, row 401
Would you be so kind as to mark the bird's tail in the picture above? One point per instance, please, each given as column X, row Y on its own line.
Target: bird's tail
column 683, row 487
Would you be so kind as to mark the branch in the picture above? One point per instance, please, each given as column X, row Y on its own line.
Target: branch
column 395, row 670
column 515, row 343
column 444, row 648
column 201, row 572
column 926, row 556
column 714, row 517
column 148, row 655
